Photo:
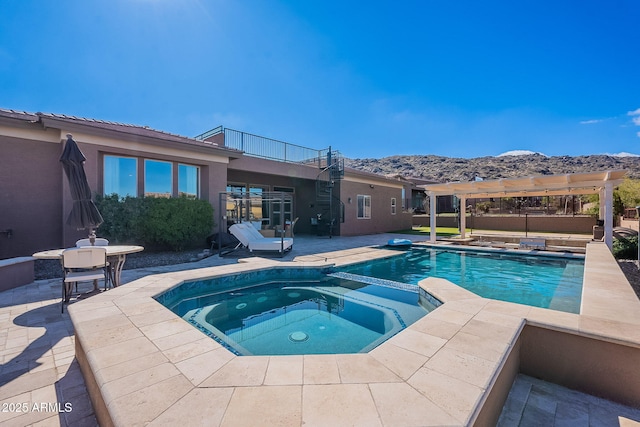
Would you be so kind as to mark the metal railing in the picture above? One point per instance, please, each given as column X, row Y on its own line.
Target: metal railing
column 210, row 133
column 268, row 148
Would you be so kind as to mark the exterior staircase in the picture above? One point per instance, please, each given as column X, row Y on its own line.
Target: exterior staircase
column 328, row 193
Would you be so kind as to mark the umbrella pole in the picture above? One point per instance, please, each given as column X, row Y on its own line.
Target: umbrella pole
column 92, row 240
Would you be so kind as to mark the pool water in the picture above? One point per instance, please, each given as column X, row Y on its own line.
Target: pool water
column 541, row 281
column 325, row 316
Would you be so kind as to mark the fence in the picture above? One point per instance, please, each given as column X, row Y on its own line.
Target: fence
column 582, row 224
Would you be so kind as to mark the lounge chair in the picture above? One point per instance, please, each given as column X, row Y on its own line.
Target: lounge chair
column 251, row 238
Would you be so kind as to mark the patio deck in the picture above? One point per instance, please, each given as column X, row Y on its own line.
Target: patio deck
column 455, row 366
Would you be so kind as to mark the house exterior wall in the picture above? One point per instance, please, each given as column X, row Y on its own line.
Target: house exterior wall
column 272, row 167
column 253, row 170
column 382, row 220
column 30, row 205
column 212, row 175
column 35, row 199
column 304, row 204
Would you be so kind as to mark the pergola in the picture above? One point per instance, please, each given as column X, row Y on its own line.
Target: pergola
column 602, row 183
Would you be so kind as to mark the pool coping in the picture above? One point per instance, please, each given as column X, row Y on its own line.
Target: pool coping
column 143, row 364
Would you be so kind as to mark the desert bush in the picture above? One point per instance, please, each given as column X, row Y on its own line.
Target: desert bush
column 157, row 223
column 625, row 248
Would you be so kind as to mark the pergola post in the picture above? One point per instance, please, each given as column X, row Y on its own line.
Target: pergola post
column 463, row 216
column 432, row 217
column 608, row 214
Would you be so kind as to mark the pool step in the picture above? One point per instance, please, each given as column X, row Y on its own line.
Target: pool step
column 375, row 281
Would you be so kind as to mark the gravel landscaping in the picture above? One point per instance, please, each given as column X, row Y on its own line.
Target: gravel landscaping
column 51, row 269
column 630, row 269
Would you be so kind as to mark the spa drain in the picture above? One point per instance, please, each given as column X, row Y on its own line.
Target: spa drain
column 298, row 336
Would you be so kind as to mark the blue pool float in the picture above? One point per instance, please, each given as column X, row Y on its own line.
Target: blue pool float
column 399, row 242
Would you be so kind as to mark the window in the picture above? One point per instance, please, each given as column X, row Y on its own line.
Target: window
column 188, row 181
column 364, row 206
column 393, row 206
column 158, row 178
column 120, row 176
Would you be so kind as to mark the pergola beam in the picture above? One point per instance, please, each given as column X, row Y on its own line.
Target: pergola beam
column 534, row 186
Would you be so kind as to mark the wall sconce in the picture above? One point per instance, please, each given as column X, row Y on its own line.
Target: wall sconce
column 370, row 185
column 349, row 200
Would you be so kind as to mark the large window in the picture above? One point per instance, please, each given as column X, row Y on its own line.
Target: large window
column 188, row 181
column 120, row 176
column 157, row 178
column 364, row 206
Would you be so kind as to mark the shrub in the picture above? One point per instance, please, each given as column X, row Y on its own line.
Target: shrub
column 483, row 207
column 157, row 223
column 625, row 248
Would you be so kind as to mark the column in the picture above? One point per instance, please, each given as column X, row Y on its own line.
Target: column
column 608, row 214
column 432, row 217
column 463, row 216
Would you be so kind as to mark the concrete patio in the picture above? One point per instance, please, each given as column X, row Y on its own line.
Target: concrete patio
column 445, row 369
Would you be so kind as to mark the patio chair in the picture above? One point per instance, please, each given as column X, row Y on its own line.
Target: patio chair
column 99, row 241
column 289, row 229
column 86, row 242
column 251, row 238
column 83, row 264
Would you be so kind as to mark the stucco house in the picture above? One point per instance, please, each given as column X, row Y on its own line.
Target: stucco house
column 139, row 161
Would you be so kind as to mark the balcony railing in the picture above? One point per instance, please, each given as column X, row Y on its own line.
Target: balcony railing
column 268, row 148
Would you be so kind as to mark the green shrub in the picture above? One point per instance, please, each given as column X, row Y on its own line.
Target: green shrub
column 156, row 223
column 625, row 248
column 483, row 207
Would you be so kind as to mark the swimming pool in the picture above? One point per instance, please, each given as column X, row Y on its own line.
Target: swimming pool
column 261, row 314
column 545, row 281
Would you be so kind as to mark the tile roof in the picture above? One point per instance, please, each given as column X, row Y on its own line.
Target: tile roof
column 136, row 130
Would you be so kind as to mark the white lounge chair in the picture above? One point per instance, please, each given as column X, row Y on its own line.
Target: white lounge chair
column 251, row 238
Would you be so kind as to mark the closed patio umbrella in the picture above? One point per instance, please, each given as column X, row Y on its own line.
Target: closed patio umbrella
column 84, row 213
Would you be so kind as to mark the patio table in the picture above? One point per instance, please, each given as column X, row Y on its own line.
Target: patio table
column 116, row 254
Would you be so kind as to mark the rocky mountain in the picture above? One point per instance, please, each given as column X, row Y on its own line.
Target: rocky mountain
column 448, row 169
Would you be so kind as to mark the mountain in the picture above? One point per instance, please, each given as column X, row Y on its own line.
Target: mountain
column 518, row 153
column 448, row 169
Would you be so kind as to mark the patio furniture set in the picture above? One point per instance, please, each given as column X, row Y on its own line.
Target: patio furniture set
column 89, row 261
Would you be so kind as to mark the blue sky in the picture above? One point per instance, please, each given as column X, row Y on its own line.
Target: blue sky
column 371, row 79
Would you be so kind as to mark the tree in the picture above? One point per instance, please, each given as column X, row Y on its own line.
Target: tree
column 626, row 195
column 629, row 192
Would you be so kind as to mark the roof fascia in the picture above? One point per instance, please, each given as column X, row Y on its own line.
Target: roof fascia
column 71, row 126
